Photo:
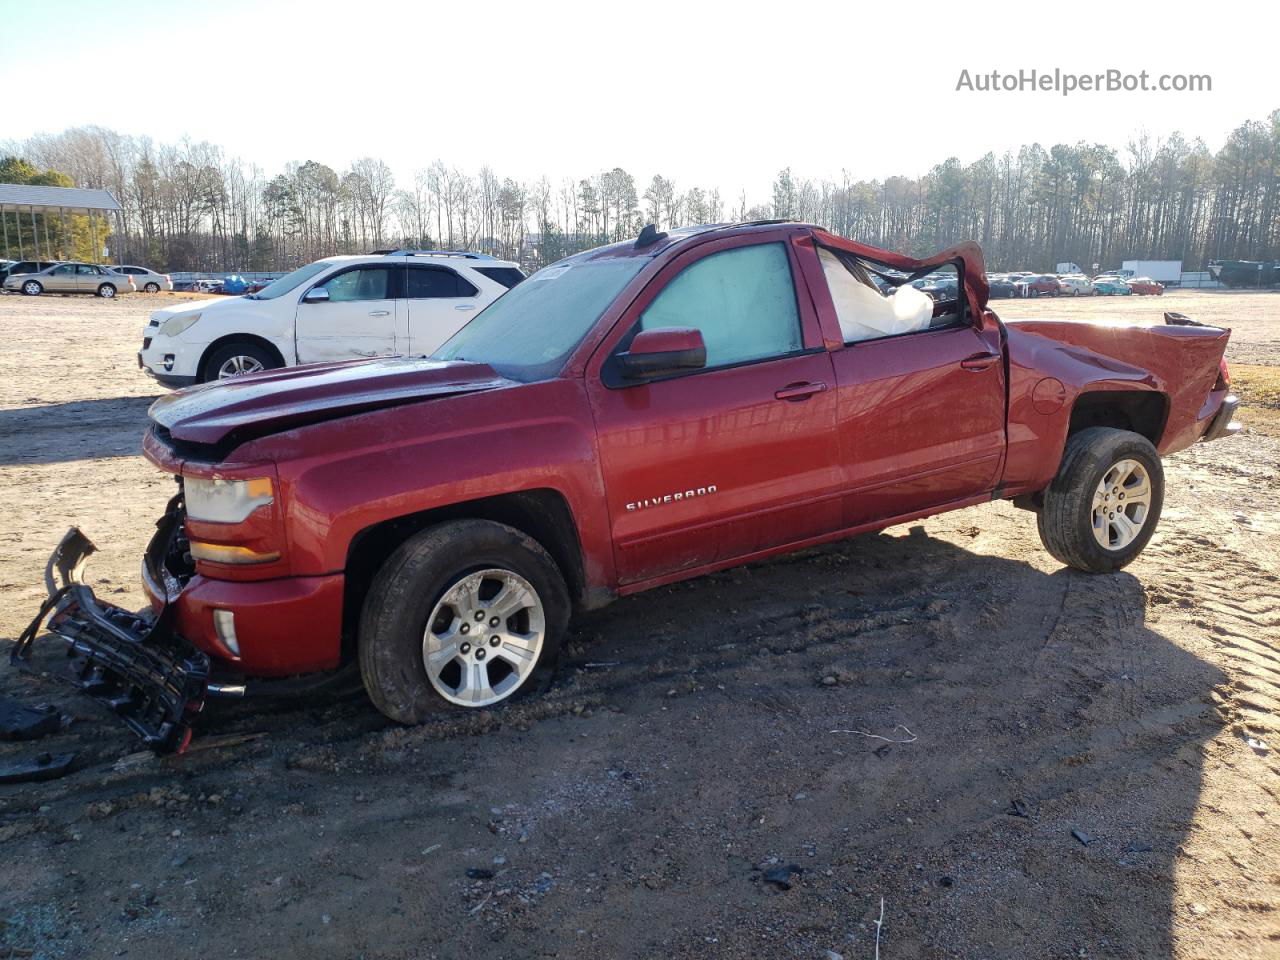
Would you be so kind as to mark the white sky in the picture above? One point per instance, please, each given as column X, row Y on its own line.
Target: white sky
column 705, row 93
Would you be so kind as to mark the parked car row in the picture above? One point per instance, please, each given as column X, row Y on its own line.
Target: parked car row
column 34, row 277
column 1024, row 284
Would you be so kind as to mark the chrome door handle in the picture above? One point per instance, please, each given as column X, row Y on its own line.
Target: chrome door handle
column 379, row 313
column 799, row 391
column 465, row 306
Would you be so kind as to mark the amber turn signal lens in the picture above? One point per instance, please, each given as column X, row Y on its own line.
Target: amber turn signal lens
column 219, row 553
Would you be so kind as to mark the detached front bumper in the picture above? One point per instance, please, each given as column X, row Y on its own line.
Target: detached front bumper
column 151, row 678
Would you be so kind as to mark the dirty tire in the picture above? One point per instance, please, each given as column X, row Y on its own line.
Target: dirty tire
column 1065, row 521
column 415, row 578
column 236, row 348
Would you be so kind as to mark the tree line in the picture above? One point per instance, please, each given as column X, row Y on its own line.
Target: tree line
column 188, row 206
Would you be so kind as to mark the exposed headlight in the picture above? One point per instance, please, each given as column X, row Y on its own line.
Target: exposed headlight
column 226, row 501
column 176, row 325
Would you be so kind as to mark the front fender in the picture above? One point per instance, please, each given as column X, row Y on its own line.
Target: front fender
column 344, row 476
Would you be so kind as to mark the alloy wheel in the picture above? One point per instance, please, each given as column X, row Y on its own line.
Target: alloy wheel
column 1121, row 504
column 483, row 638
column 238, row 366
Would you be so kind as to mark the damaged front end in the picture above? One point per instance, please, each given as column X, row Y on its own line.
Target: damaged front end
column 145, row 673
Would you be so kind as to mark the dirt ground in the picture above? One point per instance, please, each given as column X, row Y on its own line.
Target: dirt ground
column 1078, row 779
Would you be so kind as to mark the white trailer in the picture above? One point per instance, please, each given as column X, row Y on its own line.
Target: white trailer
column 1162, row 271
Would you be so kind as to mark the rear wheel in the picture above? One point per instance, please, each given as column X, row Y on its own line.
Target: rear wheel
column 468, row 613
column 1103, row 506
column 152, row 288
column 106, row 291
column 236, row 359
column 32, row 288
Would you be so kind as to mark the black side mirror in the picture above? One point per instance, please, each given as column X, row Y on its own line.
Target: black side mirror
column 656, row 353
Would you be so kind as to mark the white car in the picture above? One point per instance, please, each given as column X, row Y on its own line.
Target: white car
column 387, row 304
column 1075, row 286
column 148, row 281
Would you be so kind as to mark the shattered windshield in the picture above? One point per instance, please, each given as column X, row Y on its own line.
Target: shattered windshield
column 528, row 333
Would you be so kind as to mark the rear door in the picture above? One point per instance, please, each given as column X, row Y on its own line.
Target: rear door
column 358, row 319
column 732, row 459
column 922, row 406
column 438, row 302
column 89, row 278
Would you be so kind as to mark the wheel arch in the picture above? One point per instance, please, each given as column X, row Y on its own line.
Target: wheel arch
column 543, row 514
column 234, row 338
column 1144, row 412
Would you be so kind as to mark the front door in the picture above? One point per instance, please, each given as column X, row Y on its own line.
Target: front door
column 62, row 279
column 732, row 459
column 439, row 304
column 358, row 319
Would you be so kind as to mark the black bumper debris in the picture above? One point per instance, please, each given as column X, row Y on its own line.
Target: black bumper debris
column 152, row 679
column 44, row 766
column 19, row 722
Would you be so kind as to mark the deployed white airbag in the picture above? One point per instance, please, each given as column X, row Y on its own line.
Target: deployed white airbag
column 864, row 312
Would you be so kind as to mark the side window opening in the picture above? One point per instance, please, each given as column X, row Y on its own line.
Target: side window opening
column 428, row 283
column 507, row 276
column 873, row 300
column 743, row 301
column 368, row 283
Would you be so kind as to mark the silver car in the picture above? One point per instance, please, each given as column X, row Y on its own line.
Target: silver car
column 144, row 279
column 72, row 278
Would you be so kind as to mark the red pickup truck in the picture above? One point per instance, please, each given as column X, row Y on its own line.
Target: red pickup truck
column 634, row 415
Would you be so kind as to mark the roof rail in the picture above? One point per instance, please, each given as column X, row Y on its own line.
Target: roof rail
column 432, row 253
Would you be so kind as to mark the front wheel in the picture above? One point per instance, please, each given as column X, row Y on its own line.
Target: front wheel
column 467, row 613
column 237, row 358
column 32, row 288
column 1103, row 506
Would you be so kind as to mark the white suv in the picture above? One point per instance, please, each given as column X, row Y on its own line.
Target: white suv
column 388, row 303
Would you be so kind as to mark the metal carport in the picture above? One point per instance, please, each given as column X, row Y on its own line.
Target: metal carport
column 18, row 200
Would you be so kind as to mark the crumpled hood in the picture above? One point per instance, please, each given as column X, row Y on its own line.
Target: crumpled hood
column 264, row 403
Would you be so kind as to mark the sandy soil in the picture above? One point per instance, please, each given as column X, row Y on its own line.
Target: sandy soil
column 699, row 737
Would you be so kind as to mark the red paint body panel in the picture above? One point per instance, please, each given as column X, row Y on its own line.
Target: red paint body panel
column 1179, row 363
column 663, row 480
